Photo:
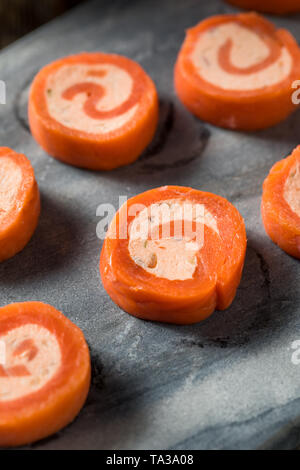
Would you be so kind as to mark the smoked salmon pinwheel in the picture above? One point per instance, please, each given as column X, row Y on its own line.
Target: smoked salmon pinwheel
column 278, row 7
column 281, row 204
column 19, row 202
column 44, row 372
column 93, row 110
column 174, row 254
column 237, row 71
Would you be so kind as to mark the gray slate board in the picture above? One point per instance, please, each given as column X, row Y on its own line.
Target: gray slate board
column 226, row 383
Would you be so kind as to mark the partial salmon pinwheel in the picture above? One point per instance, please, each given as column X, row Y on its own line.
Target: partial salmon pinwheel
column 19, row 202
column 237, row 72
column 93, row 110
column 174, row 254
column 44, row 372
column 281, row 204
column 278, row 7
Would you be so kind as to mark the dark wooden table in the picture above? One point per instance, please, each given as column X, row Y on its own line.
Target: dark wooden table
column 226, row 383
column 19, row 17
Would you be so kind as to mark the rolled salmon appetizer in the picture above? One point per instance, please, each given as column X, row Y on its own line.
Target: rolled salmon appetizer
column 236, row 72
column 174, row 254
column 44, row 374
column 281, row 204
column 93, row 110
column 277, row 7
column 19, row 202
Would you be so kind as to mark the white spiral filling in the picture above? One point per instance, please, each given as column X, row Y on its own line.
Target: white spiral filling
column 169, row 254
column 117, row 84
column 292, row 189
column 248, row 49
column 10, row 182
column 41, row 358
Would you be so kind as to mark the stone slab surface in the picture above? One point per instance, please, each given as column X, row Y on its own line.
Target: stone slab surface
column 226, row 383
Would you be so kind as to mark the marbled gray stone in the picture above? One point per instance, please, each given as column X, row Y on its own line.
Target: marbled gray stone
column 225, row 383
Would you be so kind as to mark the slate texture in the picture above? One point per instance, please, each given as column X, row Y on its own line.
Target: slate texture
column 226, row 383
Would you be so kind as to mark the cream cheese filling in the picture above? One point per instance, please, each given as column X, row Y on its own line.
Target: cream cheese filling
column 10, row 182
column 163, row 245
column 292, row 189
column 36, row 351
column 248, row 49
column 116, row 82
